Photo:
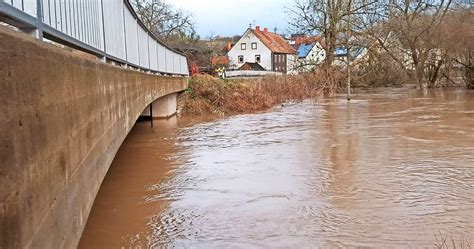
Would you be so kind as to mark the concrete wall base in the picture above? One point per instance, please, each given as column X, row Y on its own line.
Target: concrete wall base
column 162, row 108
column 62, row 120
column 165, row 106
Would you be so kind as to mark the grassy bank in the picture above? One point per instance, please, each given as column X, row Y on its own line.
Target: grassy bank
column 209, row 95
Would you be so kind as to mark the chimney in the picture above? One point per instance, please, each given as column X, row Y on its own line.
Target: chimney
column 257, row 28
column 265, row 30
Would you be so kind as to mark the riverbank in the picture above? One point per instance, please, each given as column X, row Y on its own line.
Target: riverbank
column 209, row 95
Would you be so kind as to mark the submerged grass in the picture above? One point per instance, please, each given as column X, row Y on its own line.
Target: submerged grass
column 209, row 95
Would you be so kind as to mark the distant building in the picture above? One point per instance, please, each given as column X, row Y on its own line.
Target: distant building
column 294, row 37
column 267, row 49
column 310, row 52
column 356, row 54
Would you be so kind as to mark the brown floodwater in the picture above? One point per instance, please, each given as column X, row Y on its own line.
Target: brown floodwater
column 392, row 168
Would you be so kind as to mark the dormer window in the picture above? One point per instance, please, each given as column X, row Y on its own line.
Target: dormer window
column 243, row 46
column 254, row 45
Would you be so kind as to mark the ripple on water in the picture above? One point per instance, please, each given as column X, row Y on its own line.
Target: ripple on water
column 389, row 169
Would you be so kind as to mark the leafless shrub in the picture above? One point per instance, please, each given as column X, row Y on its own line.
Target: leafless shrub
column 209, row 95
column 450, row 242
column 380, row 72
column 455, row 38
column 469, row 77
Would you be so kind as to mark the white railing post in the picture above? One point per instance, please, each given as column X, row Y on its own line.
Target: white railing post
column 124, row 33
column 39, row 19
column 138, row 44
column 148, row 49
column 104, row 49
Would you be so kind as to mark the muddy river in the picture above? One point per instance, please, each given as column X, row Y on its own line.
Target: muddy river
column 392, row 168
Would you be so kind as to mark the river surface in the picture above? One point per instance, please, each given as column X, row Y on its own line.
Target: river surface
column 392, row 168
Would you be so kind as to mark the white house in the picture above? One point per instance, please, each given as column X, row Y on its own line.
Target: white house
column 309, row 56
column 357, row 54
column 267, row 49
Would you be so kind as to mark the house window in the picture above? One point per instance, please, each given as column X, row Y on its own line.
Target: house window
column 258, row 58
column 254, row 45
column 243, row 46
column 241, row 59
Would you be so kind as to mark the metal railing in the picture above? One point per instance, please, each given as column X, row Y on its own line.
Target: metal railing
column 107, row 28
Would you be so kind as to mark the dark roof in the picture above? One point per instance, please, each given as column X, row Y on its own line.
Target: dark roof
column 310, row 39
column 252, row 66
column 355, row 52
column 294, row 36
column 340, row 51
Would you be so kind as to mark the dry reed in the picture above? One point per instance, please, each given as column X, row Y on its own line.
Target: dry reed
column 209, row 95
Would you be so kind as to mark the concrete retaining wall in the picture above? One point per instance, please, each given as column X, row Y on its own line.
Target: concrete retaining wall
column 62, row 119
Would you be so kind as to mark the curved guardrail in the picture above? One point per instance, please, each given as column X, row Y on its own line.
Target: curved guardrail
column 107, row 28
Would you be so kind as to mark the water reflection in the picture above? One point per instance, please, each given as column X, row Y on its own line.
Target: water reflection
column 390, row 169
column 121, row 210
column 341, row 145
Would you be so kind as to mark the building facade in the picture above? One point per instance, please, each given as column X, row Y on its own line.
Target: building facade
column 267, row 49
column 310, row 55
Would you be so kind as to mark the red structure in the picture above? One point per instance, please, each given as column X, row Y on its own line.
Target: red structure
column 194, row 69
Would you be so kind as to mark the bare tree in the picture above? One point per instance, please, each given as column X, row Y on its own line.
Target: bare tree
column 330, row 18
column 456, row 39
column 409, row 33
column 164, row 20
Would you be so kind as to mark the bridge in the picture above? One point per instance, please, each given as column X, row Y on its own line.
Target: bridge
column 65, row 113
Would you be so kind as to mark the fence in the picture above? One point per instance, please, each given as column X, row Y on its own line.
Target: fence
column 107, row 28
column 246, row 73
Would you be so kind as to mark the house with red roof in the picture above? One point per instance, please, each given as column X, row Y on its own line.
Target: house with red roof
column 269, row 50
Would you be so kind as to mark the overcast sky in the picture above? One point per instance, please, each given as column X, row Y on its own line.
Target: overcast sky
column 232, row 17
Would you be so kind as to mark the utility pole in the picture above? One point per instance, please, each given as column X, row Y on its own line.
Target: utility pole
column 348, row 75
column 348, row 32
